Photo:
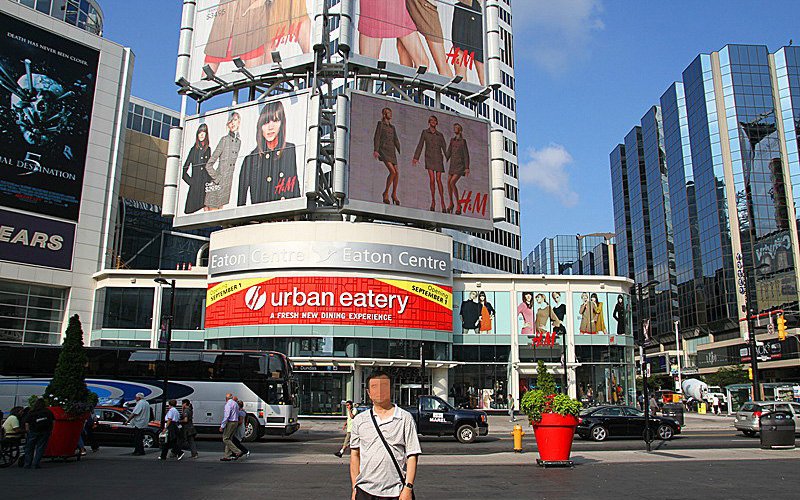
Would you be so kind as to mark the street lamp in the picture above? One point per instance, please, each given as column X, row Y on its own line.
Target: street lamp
column 678, row 349
column 751, row 331
column 643, row 360
column 171, row 284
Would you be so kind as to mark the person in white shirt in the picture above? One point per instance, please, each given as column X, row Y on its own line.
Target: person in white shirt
column 140, row 418
column 171, row 422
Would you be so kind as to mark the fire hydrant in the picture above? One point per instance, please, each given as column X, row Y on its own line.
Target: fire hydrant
column 517, row 433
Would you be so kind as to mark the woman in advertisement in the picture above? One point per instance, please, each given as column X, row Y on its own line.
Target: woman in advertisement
column 585, row 314
column 487, row 313
column 467, row 36
column 194, row 170
column 599, row 325
column 619, row 315
column 425, row 15
column 218, row 190
column 239, row 30
column 470, row 313
column 289, row 22
column 269, row 172
column 559, row 314
column 435, row 150
column 458, row 156
column 386, row 145
column 389, row 19
column 543, row 314
column 525, row 309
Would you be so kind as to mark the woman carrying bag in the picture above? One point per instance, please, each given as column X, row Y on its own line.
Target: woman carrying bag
column 187, row 421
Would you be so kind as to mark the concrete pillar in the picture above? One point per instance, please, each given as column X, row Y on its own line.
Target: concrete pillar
column 358, row 396
column 440, row 381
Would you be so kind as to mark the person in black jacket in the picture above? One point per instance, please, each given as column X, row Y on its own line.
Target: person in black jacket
column 470, row 313
column 269, row 172
column 194, row 171
column 39, row 424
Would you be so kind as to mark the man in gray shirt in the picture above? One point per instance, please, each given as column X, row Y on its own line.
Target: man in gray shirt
column 373, row 471
column 140, row 418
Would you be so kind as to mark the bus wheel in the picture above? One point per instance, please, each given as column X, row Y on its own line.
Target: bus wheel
column 250, row 429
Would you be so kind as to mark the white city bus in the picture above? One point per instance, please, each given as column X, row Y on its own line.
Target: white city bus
column 262, row 380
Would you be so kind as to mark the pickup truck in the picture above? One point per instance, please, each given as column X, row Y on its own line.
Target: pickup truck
column 435, row 417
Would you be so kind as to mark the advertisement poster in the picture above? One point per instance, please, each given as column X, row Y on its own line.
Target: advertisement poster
column 446, row 36
column 33, row 240
column 249, row 30
column 481, row 312
column 591, row 313
column 238, row 157
column 619, row 318
column 329, row 301
column 46, row 94
column 541, row 316
column 404, row 156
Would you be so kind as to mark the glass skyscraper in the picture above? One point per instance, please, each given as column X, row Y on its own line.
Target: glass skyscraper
column 704, row 197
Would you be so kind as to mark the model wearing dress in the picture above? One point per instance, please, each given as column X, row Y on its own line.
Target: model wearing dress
column 194, row 171
column 467, row 36
column 389, row 19
column 487, row 313
column 619, row 315
column 238, row 30
column 218, row 190
column 425, row 15
column 289, row 22
column 525, row 309
column 458, row 156
column 435, row 151
column 386, row 145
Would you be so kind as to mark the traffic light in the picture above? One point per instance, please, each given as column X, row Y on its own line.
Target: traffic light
column 781, row 327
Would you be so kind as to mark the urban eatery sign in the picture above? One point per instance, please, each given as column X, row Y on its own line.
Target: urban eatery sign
column 312, row 300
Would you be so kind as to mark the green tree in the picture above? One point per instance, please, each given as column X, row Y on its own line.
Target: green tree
column 728, row 375
column 544, row 379
column 68, row 386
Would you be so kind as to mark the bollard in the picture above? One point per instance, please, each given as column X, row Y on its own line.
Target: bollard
column 517, row 433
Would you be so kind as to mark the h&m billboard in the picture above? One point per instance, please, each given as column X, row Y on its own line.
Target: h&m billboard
column 418, row 164
column 317, row 300
column 243, row 162
column 47, row 88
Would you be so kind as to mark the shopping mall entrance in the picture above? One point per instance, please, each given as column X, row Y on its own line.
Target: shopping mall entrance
column 322, row 392
column 406, row 383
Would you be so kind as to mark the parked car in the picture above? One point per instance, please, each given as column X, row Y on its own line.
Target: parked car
column 435, row 417
column 111, row 429
column 747, row 418
column 600, row 423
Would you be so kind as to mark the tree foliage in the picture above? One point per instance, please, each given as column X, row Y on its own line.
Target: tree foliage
column 68, row 388
column 544, row 379
column 543, row 399
column 728, row 375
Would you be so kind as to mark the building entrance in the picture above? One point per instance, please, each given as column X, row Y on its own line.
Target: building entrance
column 322, row 393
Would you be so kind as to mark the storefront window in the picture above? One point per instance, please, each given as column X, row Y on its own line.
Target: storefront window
column 483, row 386
column 190, row 306
column 128, row 308
column 605, row 375
column 322, row 393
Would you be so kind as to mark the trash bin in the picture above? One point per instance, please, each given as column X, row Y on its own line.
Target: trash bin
column 674, row 410
column 777, row 430
column 701, row 409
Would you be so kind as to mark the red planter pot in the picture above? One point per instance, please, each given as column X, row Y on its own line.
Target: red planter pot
column 67, row 428
column 554, row 435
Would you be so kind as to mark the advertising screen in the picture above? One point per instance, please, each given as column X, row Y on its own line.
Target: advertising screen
column 481, row 312
column 46, row 94
column 415, row 163
column 248, row 30
column 542, row 316
column 446, row 36
column 329, row 301
column 243, row 161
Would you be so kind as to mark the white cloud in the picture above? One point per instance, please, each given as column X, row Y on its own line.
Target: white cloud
column 546, row 168
column 557, row 33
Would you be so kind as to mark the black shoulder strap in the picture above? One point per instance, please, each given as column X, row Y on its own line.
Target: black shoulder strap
column 388, row 449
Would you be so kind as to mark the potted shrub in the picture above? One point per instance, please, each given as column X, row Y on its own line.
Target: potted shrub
column 67, row 395
column 553, row 417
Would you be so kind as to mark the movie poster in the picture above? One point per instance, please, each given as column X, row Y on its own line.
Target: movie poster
column 47, row 88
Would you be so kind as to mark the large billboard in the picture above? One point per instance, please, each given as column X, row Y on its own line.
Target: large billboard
column 446, row 36
column 317, row 300
column 243, row 162
column 481, row 312
column 418, row 164
column 46, row 92
column 249, row 30
column 27, row 239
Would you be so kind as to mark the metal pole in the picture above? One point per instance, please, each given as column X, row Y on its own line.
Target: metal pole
column 643, row 359
column 751, row 332
column 564, row 356
column 678, row 349
column 170, row 319
column 422, row 364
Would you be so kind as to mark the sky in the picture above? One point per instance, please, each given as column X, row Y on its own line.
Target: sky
column 586, row 72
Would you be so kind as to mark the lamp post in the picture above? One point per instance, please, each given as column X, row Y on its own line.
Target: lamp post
column 643, row 360
column 422, row 365
column 744, row 289
column 162, row 281
column 678, row 349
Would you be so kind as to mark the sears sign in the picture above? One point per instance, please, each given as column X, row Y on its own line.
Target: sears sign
column 26, row 239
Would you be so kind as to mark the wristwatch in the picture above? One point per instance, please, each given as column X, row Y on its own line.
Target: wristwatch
column 410, row 486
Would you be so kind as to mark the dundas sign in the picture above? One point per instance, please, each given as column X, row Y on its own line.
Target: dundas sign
column 333, row 255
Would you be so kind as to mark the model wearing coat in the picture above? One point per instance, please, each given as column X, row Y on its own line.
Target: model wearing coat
column 435, row 149
column 194, row 171
column 269, row 176
column 218, row 192
column 386, row 143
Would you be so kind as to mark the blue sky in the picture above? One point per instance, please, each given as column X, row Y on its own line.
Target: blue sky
column 586, row 72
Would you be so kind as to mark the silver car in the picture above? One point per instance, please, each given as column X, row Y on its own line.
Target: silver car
column 747, row 418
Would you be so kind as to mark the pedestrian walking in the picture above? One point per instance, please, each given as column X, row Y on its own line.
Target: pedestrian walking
column 140, row 418
column 187, row 426
column 640, row 400
column 171, row 442
column 511, row 416
column 384, row 447
column 230, row 420
column 238, row 436
column 347, row 428
column 653, row 405
column 87, row 434
column 39, row 425
column 715, row 404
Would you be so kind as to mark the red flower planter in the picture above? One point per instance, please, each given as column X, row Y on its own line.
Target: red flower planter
column 67, row 429
column 554, row 435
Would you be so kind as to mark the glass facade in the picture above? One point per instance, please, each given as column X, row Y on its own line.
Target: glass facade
column 622, row 212
column 31, row 313
column 563, row 254
column 85, row 14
